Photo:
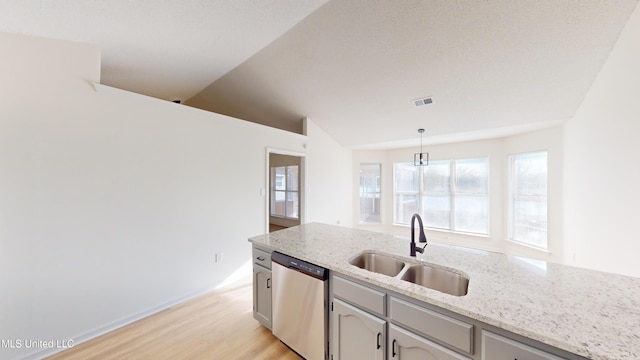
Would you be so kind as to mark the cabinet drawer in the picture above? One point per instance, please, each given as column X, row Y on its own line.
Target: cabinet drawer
column 450, row 331
column 496, row 347
column 262, row 258
column 360, row 295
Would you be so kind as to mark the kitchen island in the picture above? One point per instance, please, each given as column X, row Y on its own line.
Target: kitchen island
column 589, row 313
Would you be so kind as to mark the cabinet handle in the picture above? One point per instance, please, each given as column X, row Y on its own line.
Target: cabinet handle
column 260, row 258
column 378, row 341
column 269, row 283
column 393, row 348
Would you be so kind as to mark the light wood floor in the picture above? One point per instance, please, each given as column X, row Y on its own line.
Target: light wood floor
column 274, row 227
column 218, row 325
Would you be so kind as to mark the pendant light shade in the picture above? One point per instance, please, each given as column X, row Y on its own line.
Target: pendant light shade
column 421, row 158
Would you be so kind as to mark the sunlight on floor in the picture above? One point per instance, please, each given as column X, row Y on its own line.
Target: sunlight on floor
column 242, row 273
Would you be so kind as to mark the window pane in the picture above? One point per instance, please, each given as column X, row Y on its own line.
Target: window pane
column 406, row 177
column 530, row 171
column 436, row 211
column 370, row 193
column 292, row 178
column 405, row 206
column 369, row 178
column 292, row 205
column 279, row 181
column 530, row 221
column 529, row 198
column 471, row 214
column 278, row 203
column 370, row 208
column 472, row 176
column 437, row 177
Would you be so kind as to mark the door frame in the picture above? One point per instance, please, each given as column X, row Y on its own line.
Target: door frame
column 301, row 192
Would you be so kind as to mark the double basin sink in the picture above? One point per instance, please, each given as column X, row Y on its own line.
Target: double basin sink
column 429, row 276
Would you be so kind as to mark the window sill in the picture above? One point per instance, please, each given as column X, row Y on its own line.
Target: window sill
column 527, row 247
column 448, row 232
column 285, row 217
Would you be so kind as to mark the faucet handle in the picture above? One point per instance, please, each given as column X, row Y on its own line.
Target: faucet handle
column 421, row 249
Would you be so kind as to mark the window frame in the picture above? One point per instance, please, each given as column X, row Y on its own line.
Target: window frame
column 287, row 192
column 374, row 193
column 511, row 196
column 452, row 195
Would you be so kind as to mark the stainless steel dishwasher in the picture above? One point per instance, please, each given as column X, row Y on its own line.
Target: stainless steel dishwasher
column 300, row 310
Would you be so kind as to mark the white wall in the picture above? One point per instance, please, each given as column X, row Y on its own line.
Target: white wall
column 601, row 164
column 498, row 151
column 328, row 178
column 113, row 204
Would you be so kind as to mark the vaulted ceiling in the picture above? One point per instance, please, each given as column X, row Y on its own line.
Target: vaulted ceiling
column 492, row 68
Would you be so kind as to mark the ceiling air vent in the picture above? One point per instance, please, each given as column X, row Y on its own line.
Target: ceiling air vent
column 422, row 102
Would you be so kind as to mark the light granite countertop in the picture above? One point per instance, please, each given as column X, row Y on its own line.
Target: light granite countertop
column 585, row 312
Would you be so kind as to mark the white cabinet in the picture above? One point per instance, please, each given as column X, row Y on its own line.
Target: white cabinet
column 361, row 316
column 356, row 334
column 262, row 286
column 406, row 345
column 454, row 333
column 496, row 347
column 262, row 295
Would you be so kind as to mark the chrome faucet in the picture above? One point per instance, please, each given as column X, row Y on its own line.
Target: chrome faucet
column 422, row 237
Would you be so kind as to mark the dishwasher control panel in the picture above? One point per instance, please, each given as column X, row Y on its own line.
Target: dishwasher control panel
column 300, row 265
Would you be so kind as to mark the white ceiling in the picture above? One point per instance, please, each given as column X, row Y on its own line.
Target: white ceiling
column 165, row 49
column 493, row 67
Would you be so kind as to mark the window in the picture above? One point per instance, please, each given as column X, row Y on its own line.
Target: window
column 370, row 193
column 448, row 194
column 471, row 200
column 528, row 198
column 406, row 190
column 284, row 191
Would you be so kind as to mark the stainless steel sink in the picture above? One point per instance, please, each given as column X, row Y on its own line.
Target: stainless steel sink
column 442, row 280
column 378, row 263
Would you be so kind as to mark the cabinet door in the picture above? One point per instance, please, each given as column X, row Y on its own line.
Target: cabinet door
column 356, row 334
column 262, row 295
column 496, row 347
column 405, row 345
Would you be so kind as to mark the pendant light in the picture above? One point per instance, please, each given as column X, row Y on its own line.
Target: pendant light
column 421, row 158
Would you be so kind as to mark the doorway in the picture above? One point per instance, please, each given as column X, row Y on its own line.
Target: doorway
column 285, row 189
